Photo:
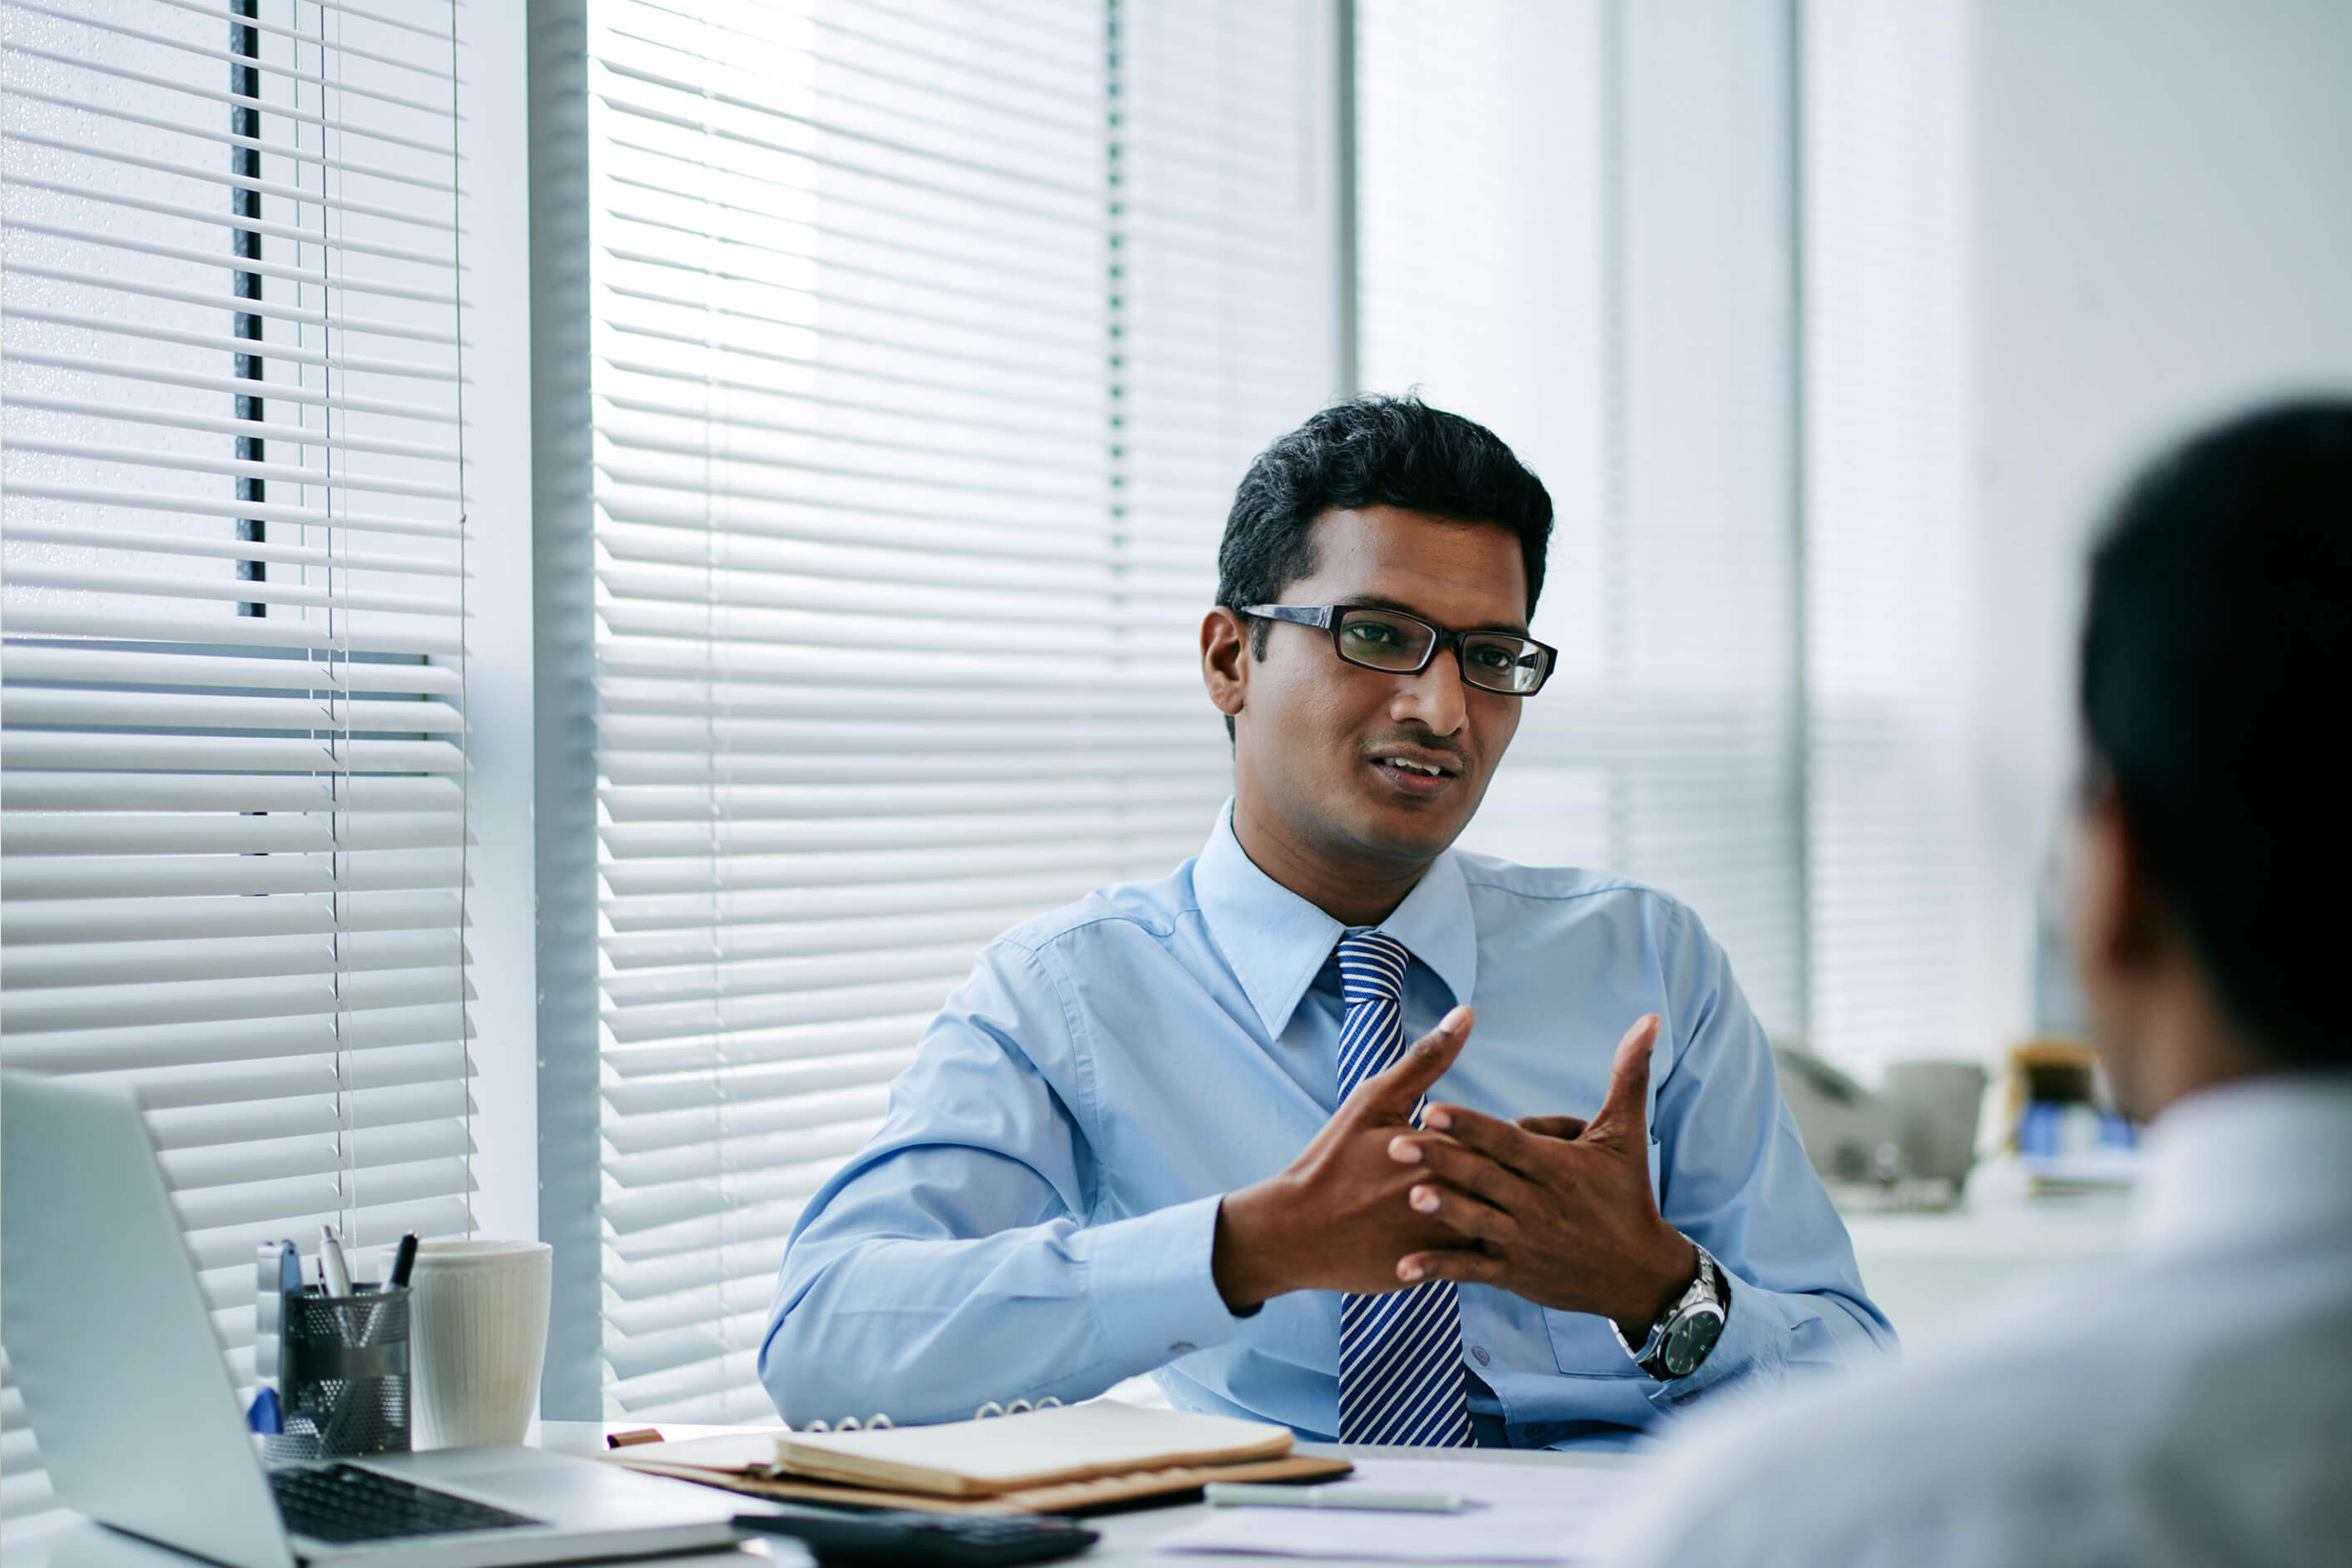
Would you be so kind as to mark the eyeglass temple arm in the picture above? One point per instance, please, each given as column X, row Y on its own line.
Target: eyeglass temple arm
column 1297, row 614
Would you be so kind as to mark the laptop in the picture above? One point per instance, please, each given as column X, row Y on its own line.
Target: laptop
column 129, row 1395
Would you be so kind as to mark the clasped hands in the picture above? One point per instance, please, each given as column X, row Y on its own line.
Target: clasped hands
column 1555, row 1209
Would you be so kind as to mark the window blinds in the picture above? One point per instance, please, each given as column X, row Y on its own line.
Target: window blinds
column 1887, row 354
column 234, row 787
column 1623, row 320
column 927, row 340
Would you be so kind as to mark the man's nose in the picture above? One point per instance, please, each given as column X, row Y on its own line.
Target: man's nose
column 1434, row 697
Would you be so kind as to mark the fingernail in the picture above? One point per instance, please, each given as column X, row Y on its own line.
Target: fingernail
column 1404, row 1152
column 1409, row 1272
column 1425, row 1199
column 1435, row 1117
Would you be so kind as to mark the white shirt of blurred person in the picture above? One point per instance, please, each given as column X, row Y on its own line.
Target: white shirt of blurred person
column 2193, row 1403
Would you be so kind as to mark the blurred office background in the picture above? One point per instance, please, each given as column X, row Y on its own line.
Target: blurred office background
column 850, row 395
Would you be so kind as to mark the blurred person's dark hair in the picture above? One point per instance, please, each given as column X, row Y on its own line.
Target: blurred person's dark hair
column 1374, row 451
column 2217, row 679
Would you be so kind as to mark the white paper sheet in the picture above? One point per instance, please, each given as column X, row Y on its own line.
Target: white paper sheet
column 1530, row 1513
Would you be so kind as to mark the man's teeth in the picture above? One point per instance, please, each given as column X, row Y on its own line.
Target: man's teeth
column 1416, row 767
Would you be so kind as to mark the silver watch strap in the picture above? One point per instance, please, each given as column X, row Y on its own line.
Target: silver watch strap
column 1708, row 1288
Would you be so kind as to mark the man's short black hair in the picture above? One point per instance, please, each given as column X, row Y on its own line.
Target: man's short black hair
column 1374, row 451
column 2217, row 682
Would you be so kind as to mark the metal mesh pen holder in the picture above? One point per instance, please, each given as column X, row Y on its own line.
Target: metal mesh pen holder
column 344, row 1378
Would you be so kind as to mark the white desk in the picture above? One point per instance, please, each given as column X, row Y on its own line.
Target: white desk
column 1926, row 1271
column 1127, row 1538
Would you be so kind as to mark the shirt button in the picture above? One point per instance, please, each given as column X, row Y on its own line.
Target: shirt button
column 1182, row 1347
column 1478, row 1353
column 1540, row 1432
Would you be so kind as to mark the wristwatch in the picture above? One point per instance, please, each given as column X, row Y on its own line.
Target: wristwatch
column 1686, row 1330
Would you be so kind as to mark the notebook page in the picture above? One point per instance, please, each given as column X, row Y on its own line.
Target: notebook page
column 1030, row 1449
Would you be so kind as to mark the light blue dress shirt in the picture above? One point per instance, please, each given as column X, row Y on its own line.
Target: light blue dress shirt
column 1036, row 1217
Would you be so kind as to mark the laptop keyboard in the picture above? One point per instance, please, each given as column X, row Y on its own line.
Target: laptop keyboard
column 344, row 1503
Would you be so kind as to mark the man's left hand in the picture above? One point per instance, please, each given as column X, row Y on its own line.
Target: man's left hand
column 1562, row 1212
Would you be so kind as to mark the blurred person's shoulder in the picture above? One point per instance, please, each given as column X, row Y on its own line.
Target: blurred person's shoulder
column 2110, row 1414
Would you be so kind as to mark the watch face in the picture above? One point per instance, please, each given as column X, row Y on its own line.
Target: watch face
column 1687, row 1343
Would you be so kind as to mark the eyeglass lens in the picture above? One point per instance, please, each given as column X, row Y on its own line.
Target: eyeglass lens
column 1494, row 660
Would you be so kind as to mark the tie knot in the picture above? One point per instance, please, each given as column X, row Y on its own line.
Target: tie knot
column 1372, row 967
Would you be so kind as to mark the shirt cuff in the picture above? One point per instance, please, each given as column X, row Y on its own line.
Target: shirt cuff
column 1756, row 1334
column 1154, row 1294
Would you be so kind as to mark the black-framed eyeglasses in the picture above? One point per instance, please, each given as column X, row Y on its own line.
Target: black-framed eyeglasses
column 1404, row 645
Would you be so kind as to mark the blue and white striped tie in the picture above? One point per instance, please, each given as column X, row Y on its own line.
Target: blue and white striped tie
column 1401, row 1376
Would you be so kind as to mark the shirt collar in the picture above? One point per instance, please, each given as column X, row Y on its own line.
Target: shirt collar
column 1276, row 943
column 2259, row 1160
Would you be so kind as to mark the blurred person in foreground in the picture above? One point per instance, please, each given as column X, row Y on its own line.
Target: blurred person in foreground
column 1176, row 1127
column 2192, row 1404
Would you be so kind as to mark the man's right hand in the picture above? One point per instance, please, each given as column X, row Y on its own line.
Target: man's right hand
column 1337, row 1219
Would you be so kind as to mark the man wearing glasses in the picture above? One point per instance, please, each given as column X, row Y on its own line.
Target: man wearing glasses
column 1326, row 1127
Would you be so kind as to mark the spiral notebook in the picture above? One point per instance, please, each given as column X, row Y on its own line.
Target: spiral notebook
column 1047, row 1461
column 1035, row 1448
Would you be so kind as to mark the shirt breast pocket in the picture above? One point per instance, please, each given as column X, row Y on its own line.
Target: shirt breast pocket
column 1583, row 1342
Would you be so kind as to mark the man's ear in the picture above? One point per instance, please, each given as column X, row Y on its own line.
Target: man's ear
column 2120, row 920
column 1224, row 659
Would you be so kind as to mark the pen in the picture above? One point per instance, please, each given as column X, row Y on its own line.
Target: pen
column 331, row 1267
column 1232, row 1494
column 403, row 1261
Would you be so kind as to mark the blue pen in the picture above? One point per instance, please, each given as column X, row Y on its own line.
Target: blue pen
column 264, row 1417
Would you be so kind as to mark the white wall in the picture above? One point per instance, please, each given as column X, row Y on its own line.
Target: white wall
column 2163, row 230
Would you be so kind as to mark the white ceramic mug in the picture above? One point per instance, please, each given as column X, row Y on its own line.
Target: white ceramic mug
column 477, row 1337
column 1935, row 1106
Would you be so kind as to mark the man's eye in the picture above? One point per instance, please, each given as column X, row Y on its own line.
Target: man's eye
column 1373, row 633
column 1492, row 657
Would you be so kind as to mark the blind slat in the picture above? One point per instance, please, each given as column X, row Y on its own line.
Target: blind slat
column 160, row 375
column 684, row 840
column 649, row 1101
column 199, row 958
column 176, row 1044
column 239, row 304
column 340, row 479
column 118, row 624
column 32, row 574
column 438, row 1068
column 298, row 1199
column 813, row 803
column 793, row 1042
column 723, row 945
column 88, row 920
column 123, row 833
column 188, row 711
column 61, row 663
column 85, row 750
column 272, row 430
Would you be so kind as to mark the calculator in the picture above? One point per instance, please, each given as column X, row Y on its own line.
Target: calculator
column 946, row 1540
